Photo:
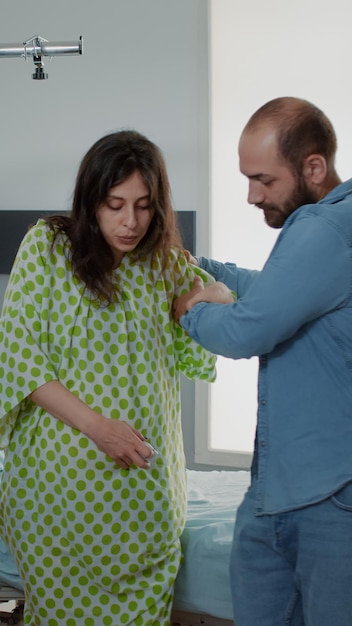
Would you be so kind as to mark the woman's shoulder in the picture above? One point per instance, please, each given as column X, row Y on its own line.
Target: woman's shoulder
column 176, row 257
column 43, row 231
column 41, row 240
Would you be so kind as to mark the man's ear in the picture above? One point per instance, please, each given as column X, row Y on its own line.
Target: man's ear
column 315, row 169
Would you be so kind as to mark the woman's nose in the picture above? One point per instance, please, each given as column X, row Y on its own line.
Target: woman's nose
column 130, row 217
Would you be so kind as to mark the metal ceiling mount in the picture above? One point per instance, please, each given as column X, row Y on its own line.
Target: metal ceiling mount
column 37, row 48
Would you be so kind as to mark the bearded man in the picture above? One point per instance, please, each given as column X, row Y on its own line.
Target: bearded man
column 291, row 561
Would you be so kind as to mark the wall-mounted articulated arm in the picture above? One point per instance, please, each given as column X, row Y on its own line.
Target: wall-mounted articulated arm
column 37, row 48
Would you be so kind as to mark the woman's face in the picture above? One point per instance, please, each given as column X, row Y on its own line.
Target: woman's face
column 125, row 215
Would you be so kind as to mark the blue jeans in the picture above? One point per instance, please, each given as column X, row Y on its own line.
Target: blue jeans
column 295, row 568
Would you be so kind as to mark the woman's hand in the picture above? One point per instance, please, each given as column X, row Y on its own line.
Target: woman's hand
column 122, row 443
column 216, row 292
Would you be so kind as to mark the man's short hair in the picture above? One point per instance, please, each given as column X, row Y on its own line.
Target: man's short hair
column 302, row 129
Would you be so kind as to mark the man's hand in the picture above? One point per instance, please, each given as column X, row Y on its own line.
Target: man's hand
column 185, row 302
column 216, row 292
column 190, row 258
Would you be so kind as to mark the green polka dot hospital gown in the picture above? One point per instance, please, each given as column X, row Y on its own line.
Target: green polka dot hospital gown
column 95, row 545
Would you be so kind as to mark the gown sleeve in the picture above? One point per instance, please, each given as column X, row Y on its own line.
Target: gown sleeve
column 24, row 362
column 194, row 361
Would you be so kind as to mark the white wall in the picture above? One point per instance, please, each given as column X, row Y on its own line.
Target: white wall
column 140, row 68
column 144, row 66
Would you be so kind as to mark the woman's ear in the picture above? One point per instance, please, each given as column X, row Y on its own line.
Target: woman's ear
column 315, row 169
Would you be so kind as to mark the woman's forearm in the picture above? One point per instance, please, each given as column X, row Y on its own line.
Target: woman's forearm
column 65, row 406
column 116, row 438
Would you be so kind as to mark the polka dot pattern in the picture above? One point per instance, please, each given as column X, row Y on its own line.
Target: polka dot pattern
column 93, row 543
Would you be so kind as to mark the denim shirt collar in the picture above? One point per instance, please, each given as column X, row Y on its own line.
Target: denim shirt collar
column 335, row 195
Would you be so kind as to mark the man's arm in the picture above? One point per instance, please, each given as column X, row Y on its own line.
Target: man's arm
column 300, row 282
column 217, row 292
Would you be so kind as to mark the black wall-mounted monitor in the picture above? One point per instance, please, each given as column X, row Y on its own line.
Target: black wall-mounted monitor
column 14, row 225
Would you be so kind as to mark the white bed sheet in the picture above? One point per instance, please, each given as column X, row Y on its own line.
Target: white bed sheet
column 203, row 583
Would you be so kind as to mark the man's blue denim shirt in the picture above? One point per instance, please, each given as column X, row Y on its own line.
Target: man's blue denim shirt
column 296, row 316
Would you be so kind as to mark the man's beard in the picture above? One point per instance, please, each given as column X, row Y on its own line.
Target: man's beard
column 276, row 216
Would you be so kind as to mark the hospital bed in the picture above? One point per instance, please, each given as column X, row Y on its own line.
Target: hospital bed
column 202, row 592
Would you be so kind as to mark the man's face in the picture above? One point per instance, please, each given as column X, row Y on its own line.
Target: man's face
column 273, row 186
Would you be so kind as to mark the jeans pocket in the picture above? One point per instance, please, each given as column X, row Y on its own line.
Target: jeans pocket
column 343, row 497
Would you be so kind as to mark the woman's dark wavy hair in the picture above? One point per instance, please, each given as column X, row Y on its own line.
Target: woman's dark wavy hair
column 109, row 162
column 302, row 130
